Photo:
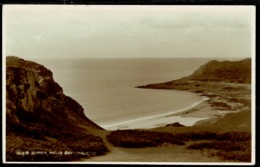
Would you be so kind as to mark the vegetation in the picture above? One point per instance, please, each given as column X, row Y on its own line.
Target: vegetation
column 234, row 136
column 120, row 137
column 50, row 142
column 233, row 146
column 241, row 156
column 68, row 145
column 141, row 138
column 203, row 135
column 220, row 145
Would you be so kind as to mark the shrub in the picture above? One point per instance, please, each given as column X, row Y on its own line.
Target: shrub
column 234, row 136
column 203, row 135
column 141, row 138
column 80, row 144
column 229, row 146
column 234, row 155
column 220, row 145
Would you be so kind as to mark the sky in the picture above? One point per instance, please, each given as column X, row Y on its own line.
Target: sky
column 91, row 31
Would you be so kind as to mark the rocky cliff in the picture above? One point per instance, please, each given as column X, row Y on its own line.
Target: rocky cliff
column 38, row 111
column 33, row 96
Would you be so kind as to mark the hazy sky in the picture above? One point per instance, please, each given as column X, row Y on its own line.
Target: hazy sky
column 128, row 31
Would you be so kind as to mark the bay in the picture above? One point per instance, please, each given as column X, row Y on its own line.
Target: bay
column 106, row 87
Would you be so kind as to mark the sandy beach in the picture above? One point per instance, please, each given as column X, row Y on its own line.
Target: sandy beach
column 197, row 113
column 209, row 115
column 159, row 120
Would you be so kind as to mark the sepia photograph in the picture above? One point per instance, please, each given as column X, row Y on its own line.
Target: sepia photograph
column 129, row 84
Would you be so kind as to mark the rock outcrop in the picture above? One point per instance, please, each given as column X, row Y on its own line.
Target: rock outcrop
column 36, row 107
column 33, row 96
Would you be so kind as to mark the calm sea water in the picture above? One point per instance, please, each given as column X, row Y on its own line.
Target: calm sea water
column 106, row 87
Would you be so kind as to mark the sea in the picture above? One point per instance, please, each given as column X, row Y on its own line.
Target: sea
column 106, row 89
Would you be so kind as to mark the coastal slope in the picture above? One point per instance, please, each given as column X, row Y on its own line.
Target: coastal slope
column 213, row 71
column 40, row 117
column 225, row 71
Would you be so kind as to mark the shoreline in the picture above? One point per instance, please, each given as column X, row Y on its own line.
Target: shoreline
column 211, row 106
column 158, row 119
column 227, row 98
column 205, row 111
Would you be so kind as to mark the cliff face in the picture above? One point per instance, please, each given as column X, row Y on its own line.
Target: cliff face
column 37, row 111
column 227, row 71
column 33, row 96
